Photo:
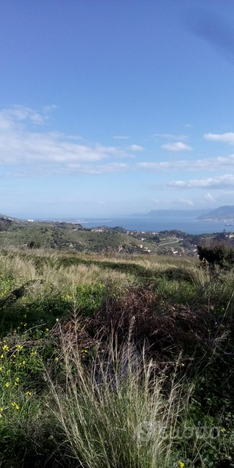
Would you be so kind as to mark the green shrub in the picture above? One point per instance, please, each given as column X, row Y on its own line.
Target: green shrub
column 217, row 253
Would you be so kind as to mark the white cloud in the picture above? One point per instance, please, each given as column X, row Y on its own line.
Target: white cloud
column 209, row 197
column 161, row 166
column 228, row 192
column 185, row 201
column 206, row 164
column 178, row 146
column 19, row 145
column 225, row 181
column 170, row 136
column 69, row 169
column 16, row 114
column 223, row 137
column 99, row 169
column 136, row 148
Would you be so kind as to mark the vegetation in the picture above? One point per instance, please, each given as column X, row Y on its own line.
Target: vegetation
column 219, row 253
column 74, row 237
column 115, row 362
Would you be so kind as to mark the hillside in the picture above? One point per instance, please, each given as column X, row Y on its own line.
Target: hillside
column 176, row 213
column 75, row 238
column 5, row 224
column 223, row 213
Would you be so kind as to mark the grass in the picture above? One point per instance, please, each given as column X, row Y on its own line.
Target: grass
column 112, row 415
column 115, row 362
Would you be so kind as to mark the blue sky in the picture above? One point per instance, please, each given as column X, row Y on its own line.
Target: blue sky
column 110, row 107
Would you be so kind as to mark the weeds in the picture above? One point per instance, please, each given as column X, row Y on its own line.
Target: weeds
column 112, row 414
column 107, row 362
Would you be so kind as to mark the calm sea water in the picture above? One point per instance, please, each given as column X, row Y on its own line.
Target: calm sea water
column 156, row 224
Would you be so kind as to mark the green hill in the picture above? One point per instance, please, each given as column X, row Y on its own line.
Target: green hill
column 75, row 238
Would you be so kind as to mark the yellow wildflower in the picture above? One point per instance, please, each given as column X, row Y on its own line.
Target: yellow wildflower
column 15, row 405
column 7, row 384
column 181, row 464
column 19, row 347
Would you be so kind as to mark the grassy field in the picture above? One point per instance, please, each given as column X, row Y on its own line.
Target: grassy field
column 115, row 361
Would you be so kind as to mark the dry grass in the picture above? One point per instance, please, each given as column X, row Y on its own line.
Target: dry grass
column 114, row 414
column 24, row 269
column 71, row 276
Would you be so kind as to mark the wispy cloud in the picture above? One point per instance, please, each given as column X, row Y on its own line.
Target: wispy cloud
column 223, row 137
column 170, row 136
column 23, row 144
column 16, row 114
column 69, row 169
column 184, row 201
column 206, row 164
column 209, row 197
column 221, row 182
column 100, row 169
column 121, row 137
column 178, row 146
column 136, row 148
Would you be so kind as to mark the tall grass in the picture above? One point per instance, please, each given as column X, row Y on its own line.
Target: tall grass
column 102, row 400
column 113, row 415
column 25, row 267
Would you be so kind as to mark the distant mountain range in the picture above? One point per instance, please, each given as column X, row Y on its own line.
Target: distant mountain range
column 174, row 213
column 223, row 213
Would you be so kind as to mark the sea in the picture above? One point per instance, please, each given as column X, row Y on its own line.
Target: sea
column 157, row 224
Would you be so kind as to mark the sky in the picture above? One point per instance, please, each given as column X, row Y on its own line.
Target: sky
column 113, row 107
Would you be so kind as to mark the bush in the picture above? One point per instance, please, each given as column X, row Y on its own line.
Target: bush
column 217, row 253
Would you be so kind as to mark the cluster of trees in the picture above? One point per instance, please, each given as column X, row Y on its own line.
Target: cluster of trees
column 219, row 253
column 5, row 224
